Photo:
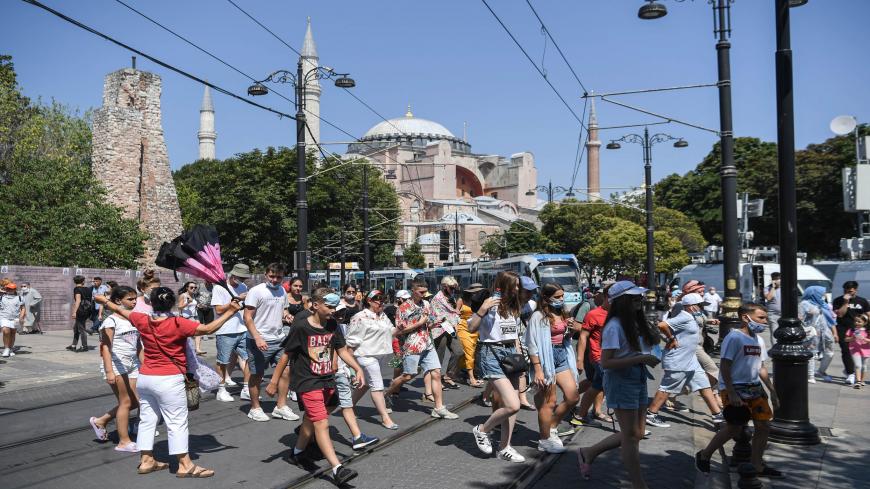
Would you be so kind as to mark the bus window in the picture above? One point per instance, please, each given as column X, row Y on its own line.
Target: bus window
column 561, row 273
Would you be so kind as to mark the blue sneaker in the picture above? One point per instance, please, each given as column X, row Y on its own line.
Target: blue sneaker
column 363, row 441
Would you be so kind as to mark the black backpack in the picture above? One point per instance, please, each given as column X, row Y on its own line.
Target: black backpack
column 86, row 305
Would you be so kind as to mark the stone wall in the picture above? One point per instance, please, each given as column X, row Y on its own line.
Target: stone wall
column 130, row 158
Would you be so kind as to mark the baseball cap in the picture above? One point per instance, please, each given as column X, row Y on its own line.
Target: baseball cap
column 693, row 299
column 475, row 287
column 403, row 294
column 375, row 293
column 332, row 299
column 528, row 283
column 624, row 287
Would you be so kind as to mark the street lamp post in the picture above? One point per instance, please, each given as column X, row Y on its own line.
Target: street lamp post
column 551, row 191
column 299, row 80
column 647, row 142
column 791, row 423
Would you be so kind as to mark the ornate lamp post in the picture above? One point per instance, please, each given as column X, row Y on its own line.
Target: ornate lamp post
column 551, row 191
column 300, row 80
column 647, row 142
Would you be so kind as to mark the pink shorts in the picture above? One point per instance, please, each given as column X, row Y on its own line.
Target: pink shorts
column 318, row 403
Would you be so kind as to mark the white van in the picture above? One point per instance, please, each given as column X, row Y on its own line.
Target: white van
column 858, row 271
column 752, row 278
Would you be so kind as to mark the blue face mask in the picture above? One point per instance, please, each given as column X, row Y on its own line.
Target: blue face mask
column 756, row 327
column 273, row 286
column 557, row 305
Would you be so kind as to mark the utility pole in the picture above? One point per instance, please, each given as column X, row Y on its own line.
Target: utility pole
column 456, row 238
column 301, row 182
column 366, row 244
column 341, row 278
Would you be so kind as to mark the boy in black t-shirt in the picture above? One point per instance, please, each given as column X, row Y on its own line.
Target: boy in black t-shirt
column 313, row 345
column 846, row 307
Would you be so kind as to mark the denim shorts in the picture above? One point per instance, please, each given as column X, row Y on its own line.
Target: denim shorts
column 625, row 388
column 674, row 381
column 226, row 343
column 560, row 358
column 488, row 357
column 260, row 359
column 427, row 360
column 345, row 393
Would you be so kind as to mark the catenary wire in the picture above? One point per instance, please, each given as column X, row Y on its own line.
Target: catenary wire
column 168, row 66
column 556, row 45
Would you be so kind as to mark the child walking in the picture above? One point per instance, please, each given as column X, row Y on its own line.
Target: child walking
column 859, row 348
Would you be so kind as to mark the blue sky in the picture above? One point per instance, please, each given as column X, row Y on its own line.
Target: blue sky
column 453, row 63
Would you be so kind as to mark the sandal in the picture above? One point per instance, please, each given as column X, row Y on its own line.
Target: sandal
column 196, row 472
column 428, row 398
column 451, row 385
column 101, row 432
column 477, row 383
column 154, row 468
column 393, row 426
column 603, row 417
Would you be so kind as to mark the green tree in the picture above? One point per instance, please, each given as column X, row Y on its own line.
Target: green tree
column 251, row 200
column 55, row 211
column 414, row 256
column 673, row 221
column 615, row 247
column 569, row 228
column 520, row 237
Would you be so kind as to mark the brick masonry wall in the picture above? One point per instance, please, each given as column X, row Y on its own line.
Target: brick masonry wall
column 130, row 158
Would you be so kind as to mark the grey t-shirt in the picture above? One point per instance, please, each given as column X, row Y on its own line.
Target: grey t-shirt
column 686, row 330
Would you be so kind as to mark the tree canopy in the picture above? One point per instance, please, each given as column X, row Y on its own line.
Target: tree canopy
column 414, row 256
column 54, row 210
column 251, row 200
column 820, row 216
column 520, row 237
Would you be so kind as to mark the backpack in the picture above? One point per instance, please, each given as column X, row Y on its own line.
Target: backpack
column 86, row 305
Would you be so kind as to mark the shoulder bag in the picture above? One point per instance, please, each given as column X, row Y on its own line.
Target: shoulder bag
column 513, row 363
column 191, row 385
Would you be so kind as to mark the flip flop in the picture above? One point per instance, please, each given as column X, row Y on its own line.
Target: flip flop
column 101, row 433
column 154, row 468
column 585, row 468
column 196, row 473
column 129, row 448
column 477, row 383
column 393, row 426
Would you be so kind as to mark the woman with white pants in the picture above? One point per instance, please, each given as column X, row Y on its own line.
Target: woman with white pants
column 161, row 378
column 370, row 336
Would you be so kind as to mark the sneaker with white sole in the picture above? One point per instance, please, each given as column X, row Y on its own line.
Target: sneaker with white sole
column 443, row 413
column 482, row 440
column 850, row 379
column 6, row 352
column 292, row 396
column 223, row 396
column 285, row 413
column 551, row 445
column 258, row 415
column 653, row 419
column 246, row 394
column 230, row 382
column 511, row 455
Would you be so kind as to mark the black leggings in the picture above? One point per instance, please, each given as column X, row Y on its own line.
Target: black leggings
column 79, row 329
column 848, row 363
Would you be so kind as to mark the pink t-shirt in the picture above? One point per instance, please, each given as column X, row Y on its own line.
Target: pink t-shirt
column 861, row 345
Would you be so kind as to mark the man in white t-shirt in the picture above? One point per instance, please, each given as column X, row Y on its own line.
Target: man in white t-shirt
column 264, row 313
column 742, row 379
column 231, row 338
column 713, row 301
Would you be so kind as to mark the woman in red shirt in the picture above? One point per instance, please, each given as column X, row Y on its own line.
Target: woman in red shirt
column 161, row 377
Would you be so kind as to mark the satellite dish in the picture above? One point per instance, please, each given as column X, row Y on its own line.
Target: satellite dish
column 843, row 124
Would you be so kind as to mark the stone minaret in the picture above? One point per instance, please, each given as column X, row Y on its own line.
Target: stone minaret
column 593, row 148
column 312, row 89
column 206, row 132
column 129, row 156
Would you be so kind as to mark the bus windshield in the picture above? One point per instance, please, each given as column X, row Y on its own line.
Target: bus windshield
column 561, row 273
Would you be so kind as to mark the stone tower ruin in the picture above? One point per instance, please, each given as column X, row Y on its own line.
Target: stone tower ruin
column 130, row 158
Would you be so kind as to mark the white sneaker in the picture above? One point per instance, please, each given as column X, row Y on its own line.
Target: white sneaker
column 811, row 380
column 511, row 455
column 246, row 395
column 285, row 413
column 6, row 352
column 850, row 379
column 258, row 415
column 551, row 446
column 230, row 382
column 554, row 436
column 443, row 413
column 223, row 395
column 292, row 396
column 482, row 440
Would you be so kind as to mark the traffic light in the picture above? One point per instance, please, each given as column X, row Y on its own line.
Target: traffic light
column 444, row 246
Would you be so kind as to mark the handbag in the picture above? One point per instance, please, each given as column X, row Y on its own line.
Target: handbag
column 514, row 363
column 191, row 385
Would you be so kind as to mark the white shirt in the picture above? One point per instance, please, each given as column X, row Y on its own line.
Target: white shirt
column 189, row 311
column 221, row 297
column 613, row 338
column 746, row 354
column 496, row 329
column 269, row 310
column 370, row 334
column 125, row 339
column 10, row 307
column 714, row 301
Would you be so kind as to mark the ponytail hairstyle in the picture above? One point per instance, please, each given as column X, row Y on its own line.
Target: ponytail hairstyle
column 147, row 279
column 162, row 299
column 548, row 290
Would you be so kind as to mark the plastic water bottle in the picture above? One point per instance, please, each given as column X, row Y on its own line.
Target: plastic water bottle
column 657, row 351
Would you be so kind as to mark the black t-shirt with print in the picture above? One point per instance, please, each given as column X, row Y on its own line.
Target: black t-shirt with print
column 313, row 354
column 857, row 305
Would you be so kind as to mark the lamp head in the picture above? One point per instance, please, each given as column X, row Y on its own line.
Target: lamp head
column 570, row 194
column 345, row 82
column 257, row 89
column 652, row 10
column 530, row 193
column 681, row 143
column 797, row 3
column 613, row 145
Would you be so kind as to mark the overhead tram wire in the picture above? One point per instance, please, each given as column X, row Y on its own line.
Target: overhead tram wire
column 193, row 44
column 537, row 68
column 369, row 107
column 547, row 32
column 168, row 66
